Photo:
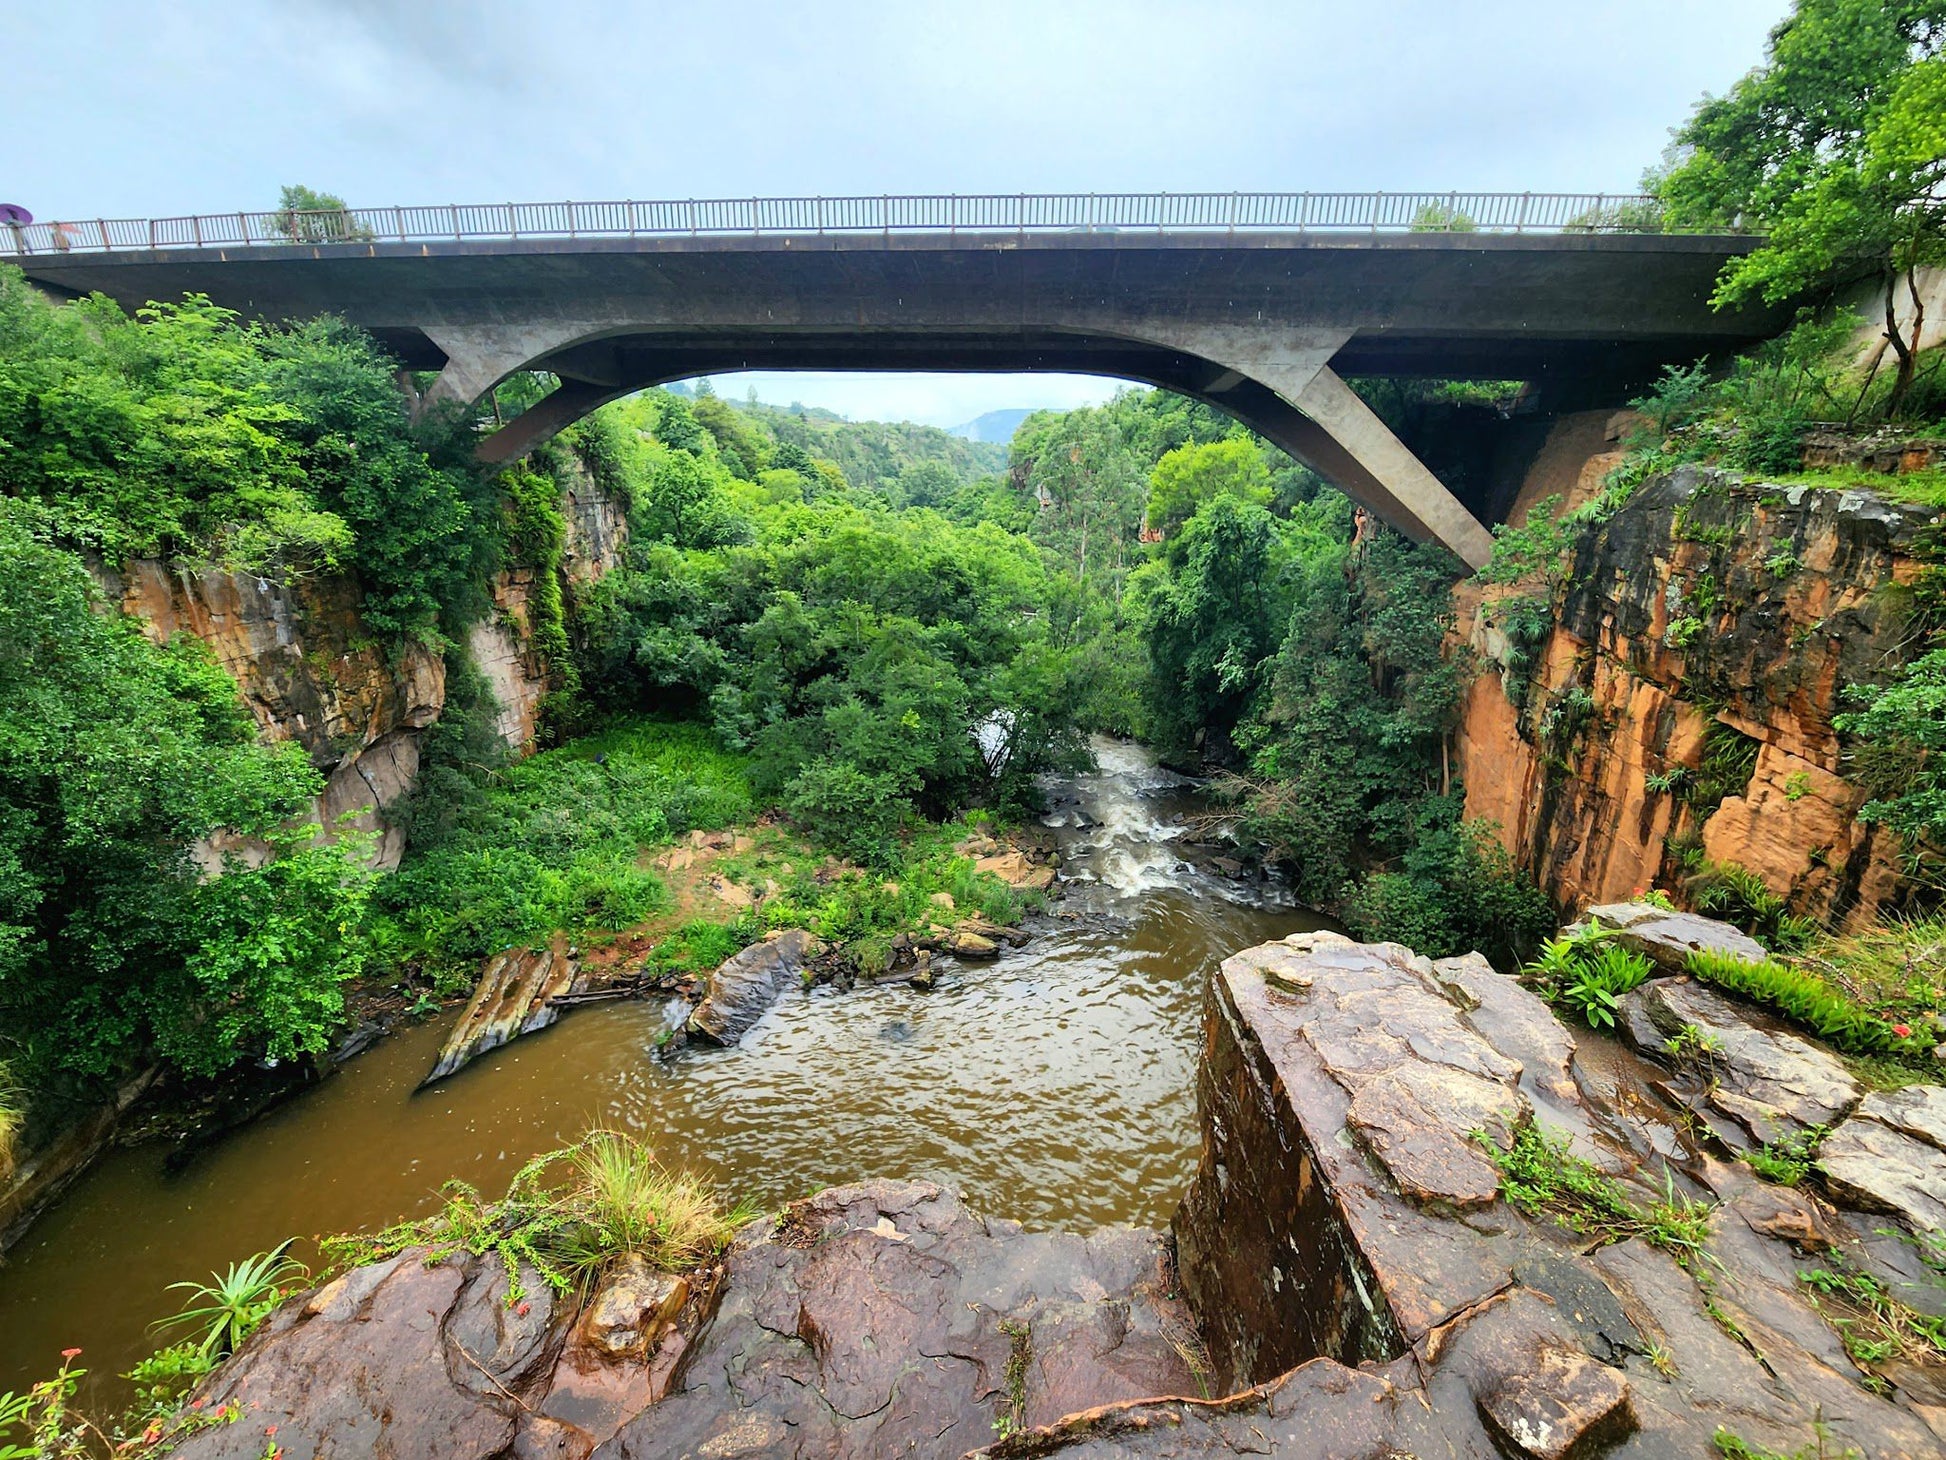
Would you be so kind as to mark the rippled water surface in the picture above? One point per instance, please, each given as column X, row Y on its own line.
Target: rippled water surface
column 1055, row 1087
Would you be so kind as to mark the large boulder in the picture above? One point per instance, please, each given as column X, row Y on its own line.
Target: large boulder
column 1668, row 938
column 887, row 1319
column 397, row 1359
column 744, row 987
column 1750, row 1077
column 1891, row 1156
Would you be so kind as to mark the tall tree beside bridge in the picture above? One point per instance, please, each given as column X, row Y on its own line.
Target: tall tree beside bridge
column 1836, row 147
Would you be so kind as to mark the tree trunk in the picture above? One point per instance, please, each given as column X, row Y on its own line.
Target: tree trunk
column 1907, row 354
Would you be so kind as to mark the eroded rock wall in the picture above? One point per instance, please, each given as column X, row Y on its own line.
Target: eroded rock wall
column 311, row 671
column 1708, row 607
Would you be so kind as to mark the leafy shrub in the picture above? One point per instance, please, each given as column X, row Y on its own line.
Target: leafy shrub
column 1588, row 972
column 230, row 1306
column 1457, row 890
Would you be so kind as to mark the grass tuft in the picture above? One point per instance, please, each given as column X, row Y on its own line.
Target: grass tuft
column 1805, row 999
column 570, row 1215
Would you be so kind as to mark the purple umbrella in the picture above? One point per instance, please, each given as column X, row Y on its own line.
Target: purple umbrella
column 15, row 214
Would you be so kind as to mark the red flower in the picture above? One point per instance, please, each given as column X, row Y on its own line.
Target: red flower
column 69, row 1353
column 270, row 1429
column 1904, row 1031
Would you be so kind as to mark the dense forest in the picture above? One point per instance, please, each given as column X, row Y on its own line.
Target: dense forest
column 864, row 629
column 877, row 629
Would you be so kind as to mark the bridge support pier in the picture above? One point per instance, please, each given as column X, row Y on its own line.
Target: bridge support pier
column 1355, row 427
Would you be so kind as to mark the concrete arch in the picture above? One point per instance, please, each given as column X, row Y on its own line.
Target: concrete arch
column 1278, row 382
column 1261, row 322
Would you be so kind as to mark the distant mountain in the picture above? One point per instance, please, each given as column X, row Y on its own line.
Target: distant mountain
column 995, row 426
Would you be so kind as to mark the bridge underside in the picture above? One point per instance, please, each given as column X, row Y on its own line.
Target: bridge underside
column 1263, row 327
column 1303, row 406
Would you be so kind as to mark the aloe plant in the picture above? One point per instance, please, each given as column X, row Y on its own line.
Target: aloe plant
column 229, row 1307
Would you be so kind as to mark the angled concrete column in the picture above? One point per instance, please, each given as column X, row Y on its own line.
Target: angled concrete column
column 1327, row 427
column 559, row 408
column 1335, row 406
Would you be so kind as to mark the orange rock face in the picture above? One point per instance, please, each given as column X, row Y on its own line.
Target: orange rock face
column 1710, row 623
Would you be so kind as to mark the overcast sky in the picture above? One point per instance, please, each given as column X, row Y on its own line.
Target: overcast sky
column 125, row 109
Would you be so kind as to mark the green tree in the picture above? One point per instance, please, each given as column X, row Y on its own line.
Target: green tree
column 1213, row 624
column 305, row 215
column 1191, row 475
column 116, row 755
column 1836, row 148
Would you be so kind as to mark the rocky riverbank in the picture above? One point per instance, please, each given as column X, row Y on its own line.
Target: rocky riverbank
column 1347, row 1274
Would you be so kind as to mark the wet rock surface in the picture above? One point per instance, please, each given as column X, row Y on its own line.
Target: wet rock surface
column 881, row 1319
column 745, row 986
column 1891, row 1156
column 878, row 1319
column 1753, row 1080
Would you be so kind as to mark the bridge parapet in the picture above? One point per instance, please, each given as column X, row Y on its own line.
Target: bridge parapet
column 885, row 213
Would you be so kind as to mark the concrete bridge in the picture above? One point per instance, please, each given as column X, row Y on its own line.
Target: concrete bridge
column 1259, row 304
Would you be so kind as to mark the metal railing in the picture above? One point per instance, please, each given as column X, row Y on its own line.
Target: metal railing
column 988, row 213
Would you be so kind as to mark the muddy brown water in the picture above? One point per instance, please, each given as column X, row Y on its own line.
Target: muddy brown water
column 1054, row 1087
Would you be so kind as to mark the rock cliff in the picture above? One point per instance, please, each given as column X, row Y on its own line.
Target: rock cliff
column 310, row 670
column 1673, row 699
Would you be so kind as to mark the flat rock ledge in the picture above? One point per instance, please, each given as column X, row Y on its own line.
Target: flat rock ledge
column 1361, row 1287
column 877, row 1319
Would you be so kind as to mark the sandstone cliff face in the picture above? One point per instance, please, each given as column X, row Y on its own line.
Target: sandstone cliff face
column 310, row 672
column 1711, row 619
column 502, row 644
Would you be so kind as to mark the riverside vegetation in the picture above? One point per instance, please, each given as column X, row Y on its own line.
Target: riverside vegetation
column 868, row 639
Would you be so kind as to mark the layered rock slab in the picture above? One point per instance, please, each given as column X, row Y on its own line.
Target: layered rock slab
column 1891, row 1156
column 1373, row 1309
column 744, row 986
column 1753, row 1079
column 877, row 1319
column 882, row 1319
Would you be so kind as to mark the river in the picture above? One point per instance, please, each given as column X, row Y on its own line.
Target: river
column 1054, row 1087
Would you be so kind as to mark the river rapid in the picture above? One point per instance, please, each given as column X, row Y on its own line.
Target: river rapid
column 1054, row 1087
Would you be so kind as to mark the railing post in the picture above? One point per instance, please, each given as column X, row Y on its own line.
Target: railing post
column 452, row 213
column 513, row 228
column 1520, row 219
column 398, row 225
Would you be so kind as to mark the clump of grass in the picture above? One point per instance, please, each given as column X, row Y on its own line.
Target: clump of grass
column 1540, row 1175
column 570, row 1215
column 1805, row 999
column 1788, row 1161
column 1732, row 1446
column 1020, row 1353
column 1587, row 972
column 1896, row 969
column 1874, row 1324
column 1739, row 896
